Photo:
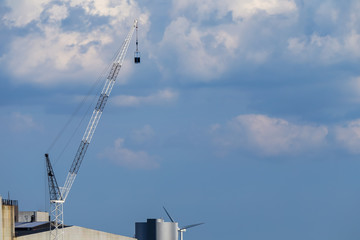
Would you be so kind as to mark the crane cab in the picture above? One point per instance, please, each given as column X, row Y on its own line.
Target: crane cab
column 136, row 57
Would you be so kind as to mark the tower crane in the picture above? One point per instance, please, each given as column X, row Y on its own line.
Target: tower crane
column 58, row 195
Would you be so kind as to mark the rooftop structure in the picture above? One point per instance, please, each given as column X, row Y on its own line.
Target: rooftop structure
column 35, row 225
column 156, row 229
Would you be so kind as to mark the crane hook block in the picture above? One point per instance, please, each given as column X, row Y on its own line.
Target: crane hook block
column 137, row 57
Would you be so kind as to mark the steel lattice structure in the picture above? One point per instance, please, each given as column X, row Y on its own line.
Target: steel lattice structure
column 58, row 194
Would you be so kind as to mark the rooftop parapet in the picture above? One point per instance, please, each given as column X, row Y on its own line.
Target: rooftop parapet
column 9, row 202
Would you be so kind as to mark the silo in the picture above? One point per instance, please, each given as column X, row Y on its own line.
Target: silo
column 156, row 229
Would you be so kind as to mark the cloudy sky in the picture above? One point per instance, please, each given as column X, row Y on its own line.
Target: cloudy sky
column 243, row 114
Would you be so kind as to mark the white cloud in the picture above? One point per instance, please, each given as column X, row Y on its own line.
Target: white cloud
column 22, row 122
column 24, row 12
column 161, row 97
column 128, row 158
column 143, row 135
column 246, row 9
column 203, row 52
column 326, row 49
column 196, row 57
column 58, row 13
column 269, row 136
column 51, row 54
column 348, row 135
column 207, row 38
column 335, row 38
column 238, row 8
column 56, row 56
column 119, row 10
column 326, row 14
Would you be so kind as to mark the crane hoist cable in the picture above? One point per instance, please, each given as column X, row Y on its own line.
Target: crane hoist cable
column 96, row 85
column 76, row 111
column 137, row 53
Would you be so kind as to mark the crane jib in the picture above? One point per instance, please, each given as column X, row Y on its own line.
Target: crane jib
column 101, row 102
column 114, row 71
column 53, row 186
column 79, row 157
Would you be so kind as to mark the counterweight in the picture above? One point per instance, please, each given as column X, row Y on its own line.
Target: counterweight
column 58, row 195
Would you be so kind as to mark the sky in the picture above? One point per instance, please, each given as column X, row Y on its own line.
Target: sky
column 243, row 114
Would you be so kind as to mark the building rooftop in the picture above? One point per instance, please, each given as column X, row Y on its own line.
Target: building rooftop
column 28, row 225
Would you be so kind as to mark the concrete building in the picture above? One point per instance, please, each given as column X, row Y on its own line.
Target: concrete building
column 8, row 210
column 33, row 216
column 74, row 233
column 32, row 225
column 156, row 229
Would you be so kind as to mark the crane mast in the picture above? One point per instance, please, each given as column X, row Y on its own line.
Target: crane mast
column 58, row 194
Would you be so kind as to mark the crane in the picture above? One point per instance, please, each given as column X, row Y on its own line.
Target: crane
column 58, row 195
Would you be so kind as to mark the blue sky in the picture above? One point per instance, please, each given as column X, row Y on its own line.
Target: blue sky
column 243, row 114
